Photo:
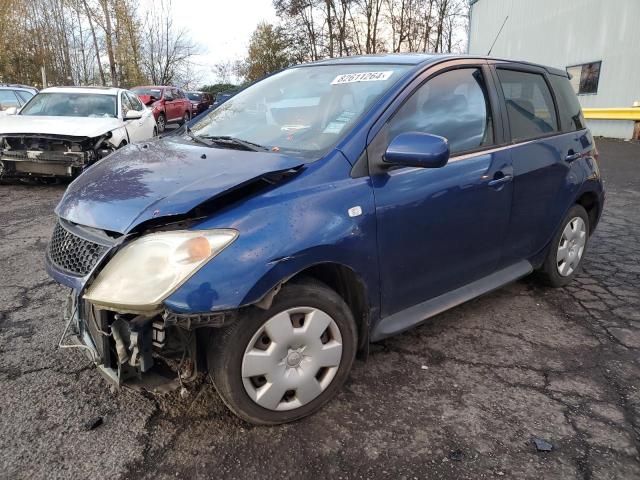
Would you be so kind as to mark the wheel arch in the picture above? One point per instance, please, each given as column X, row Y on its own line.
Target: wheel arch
column 591, row 203
column 345, row 282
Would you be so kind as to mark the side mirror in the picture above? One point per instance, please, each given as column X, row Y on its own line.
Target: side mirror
column 415, row 149
column 11, row 111
column 133, row 115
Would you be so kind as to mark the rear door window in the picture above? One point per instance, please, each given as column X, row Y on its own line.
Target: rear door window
column 529, row 103
column 571, row 118
column 454, row 105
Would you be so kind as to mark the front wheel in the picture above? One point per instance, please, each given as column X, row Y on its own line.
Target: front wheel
column 567, row 248
column 281, row 364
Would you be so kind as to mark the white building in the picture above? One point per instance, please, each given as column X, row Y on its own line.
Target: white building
column 597, row 41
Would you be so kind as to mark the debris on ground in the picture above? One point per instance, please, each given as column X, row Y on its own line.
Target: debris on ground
column 93, row 423
column 456, row 455
column 542, row 445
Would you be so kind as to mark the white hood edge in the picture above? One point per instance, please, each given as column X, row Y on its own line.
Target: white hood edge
column 69, row 126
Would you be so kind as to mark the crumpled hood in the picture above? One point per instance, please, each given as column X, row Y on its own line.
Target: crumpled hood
column 68, row 126
column 160, row 178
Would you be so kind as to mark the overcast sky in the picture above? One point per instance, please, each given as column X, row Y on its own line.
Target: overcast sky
column 221, row 27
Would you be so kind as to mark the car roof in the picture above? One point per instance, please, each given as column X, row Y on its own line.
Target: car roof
column 90, row 90
column 16, row 86
column 417, row 59
column 382, row 58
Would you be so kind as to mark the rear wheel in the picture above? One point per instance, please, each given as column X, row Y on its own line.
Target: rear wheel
column 567, row 248
column 281, row 364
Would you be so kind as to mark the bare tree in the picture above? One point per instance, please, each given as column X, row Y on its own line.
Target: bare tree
column 324, row 28
column 168, row 51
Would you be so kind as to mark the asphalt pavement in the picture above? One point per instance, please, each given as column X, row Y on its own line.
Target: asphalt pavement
column 463, row 396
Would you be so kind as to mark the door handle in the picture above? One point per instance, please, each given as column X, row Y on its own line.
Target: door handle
column 571, row 156
column 501, row 180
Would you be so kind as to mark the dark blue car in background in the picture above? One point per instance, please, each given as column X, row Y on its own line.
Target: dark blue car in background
column 325, row 207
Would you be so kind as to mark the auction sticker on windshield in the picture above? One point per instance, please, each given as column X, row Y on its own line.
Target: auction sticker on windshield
column 361, row 77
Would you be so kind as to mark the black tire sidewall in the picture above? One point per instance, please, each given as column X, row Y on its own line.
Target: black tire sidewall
column 161, row 126
column 227, row 351
column 553, row 277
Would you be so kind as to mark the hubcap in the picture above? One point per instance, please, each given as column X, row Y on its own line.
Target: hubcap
column 292, row 359
column 571, row 246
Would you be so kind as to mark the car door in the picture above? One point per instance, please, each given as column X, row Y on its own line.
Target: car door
column 185, row 104
column 442, row 228
column 170, row 104
column 539, row 157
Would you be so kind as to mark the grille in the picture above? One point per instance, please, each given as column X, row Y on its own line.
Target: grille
column 72, row 253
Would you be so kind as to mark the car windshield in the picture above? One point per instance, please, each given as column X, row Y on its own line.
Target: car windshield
column 303, row 110
column 152, row 92
column 72, row 105
column 194, row 96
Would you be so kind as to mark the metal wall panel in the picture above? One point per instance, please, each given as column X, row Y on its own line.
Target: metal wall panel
column 561, row 33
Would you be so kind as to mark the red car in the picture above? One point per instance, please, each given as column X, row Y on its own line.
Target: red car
column 170, row 104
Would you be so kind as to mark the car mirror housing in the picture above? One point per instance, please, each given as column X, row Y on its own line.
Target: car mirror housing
column 133, row 115
column 416, row 149
column 11, row 111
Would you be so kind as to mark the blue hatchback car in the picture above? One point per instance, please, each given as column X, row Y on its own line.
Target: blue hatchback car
column 327, row 206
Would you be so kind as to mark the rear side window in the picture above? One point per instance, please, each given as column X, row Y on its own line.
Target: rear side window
column 454, row 105
column 529, row 104
column 571, row 118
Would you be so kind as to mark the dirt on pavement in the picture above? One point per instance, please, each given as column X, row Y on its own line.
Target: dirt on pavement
column 462, row 396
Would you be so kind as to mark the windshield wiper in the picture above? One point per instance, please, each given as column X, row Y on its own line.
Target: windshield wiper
column 227, row 140
column 196, row 138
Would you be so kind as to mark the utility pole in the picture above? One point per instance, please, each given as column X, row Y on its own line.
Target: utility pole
column 44, row 77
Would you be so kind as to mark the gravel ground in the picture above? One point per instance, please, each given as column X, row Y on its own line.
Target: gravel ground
column 460, row 397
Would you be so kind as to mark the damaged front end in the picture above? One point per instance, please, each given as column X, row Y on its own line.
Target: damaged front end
column 151, row 349
column 50, row 156
column 157, row 353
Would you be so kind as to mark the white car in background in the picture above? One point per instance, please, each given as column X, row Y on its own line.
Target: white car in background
column 63, row 130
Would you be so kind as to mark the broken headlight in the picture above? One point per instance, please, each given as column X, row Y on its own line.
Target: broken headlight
column 147, row 270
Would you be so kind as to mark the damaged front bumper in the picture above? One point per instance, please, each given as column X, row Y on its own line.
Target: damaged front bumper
column 29, row 156
column 157, row 353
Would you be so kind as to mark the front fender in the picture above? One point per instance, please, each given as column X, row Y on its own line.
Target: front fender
column 118, row 135
column 292, row 227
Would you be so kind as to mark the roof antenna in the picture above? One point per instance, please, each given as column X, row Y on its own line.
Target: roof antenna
column 499, row 31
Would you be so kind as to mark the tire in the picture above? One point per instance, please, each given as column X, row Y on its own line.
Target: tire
column 161, row 123
column 155, row 132
column 559, row 268
column 284, row 383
